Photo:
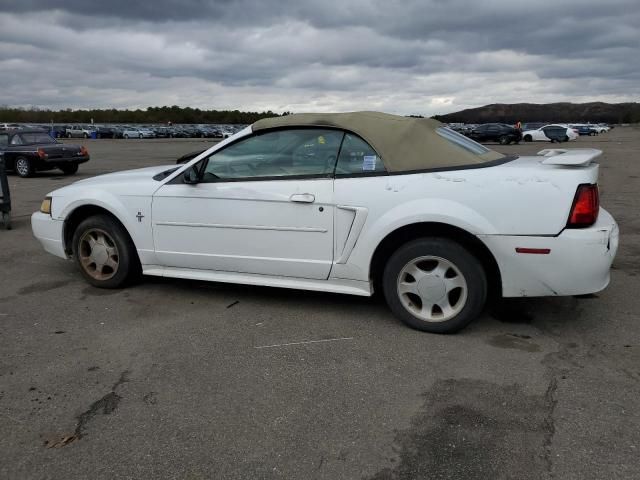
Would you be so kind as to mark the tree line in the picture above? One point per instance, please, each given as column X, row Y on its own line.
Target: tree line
column 173, row 114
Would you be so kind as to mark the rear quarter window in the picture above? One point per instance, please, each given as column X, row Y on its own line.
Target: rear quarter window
column 461, row 141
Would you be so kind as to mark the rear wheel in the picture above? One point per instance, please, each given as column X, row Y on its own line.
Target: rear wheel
column 504, row 140
column 104, row 252
column 126, row 136
column 434, row 285
column 24, row 167
column 69, row 169
column 85, row 135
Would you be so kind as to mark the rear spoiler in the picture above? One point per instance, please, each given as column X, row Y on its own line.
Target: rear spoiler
column 575, row 157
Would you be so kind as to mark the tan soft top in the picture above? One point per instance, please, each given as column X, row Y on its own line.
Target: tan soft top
column 403, row 143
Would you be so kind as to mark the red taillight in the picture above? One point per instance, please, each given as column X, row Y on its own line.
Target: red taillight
column 41, row 153
column 586, row 206
column 83, row 151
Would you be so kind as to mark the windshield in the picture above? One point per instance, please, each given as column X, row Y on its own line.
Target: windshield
column 37, row 138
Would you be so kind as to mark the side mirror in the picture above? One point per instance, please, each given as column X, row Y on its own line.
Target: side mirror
column 191, row 175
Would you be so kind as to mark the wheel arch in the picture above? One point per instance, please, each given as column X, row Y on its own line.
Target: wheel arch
column 412, row 231
column 80, row 213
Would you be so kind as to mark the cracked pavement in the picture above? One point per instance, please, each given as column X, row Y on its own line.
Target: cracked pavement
column 164, row 380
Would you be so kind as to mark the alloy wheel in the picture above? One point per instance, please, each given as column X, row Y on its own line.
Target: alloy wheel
column 98, row 254
column 432, row 288
column 22, row 167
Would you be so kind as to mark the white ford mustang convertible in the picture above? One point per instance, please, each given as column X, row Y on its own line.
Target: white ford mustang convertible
column 348, row 203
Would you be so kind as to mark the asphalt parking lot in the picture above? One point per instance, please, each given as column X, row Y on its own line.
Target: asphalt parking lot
column 182, row 379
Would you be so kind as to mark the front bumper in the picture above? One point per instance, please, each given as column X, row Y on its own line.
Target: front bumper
column 49, row 233
column 578, row 263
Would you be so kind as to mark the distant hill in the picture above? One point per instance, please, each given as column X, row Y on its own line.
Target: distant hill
column 594, row 112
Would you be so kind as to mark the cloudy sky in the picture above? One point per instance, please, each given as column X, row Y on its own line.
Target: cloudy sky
column 407, row 57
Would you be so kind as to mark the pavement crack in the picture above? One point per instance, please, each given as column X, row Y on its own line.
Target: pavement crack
column 550, row 401
column 105, row 405
column 124, row 378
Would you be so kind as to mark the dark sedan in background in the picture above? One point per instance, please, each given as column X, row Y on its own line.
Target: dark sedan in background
column 28, row 151
column 495, row 132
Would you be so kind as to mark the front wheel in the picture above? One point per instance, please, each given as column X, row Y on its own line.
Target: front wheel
column 527, row 138
column 504, row 140
column 104, row 252
column 435, row 285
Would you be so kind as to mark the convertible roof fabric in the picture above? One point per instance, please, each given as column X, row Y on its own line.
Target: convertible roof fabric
column 404, row 143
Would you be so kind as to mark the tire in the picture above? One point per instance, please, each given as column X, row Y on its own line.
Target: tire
column 140, row 137
column 85, row 135
column 447, row 271
column 565, row 139
column 504, row 140
column 24, row 167
column 115, row 249
column 527, row 138
column 69, row 169
column 126, row 137
column 68, row 135
column 6, row 220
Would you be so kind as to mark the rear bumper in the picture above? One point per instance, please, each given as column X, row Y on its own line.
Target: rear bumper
column 48, row 232
column 43, row 164
column 578, row 263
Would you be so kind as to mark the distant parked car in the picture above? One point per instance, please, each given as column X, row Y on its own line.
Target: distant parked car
column 58, row 131
column 9, row 126
column 147, row 133
column 495, row 132
column 550, row 133
column 130, row 132
column 601, row 128
column 28, row 151
column 162, row 132
column 585, row 130
column 105, row 132
column 80, row 131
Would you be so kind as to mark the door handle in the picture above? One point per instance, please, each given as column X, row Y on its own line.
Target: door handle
column 302, row 198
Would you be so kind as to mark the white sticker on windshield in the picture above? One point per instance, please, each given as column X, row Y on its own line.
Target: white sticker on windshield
column 369, row 163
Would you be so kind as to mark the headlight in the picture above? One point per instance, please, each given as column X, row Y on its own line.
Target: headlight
column 46, row 206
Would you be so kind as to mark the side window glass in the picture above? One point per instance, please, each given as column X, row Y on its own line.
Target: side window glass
column 16, row 140
column 357, row 156
column 282, row 153
column 4, row 140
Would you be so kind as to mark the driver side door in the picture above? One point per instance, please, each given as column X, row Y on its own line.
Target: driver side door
column 261, row 205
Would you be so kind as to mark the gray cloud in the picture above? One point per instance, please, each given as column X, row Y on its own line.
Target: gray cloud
column 405, row 57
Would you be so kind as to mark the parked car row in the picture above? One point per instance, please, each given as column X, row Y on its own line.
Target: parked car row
column 505, row 134
column 132, row 131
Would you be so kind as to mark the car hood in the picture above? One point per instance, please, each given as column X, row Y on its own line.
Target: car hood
column 139, row 174
column 128, row 182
